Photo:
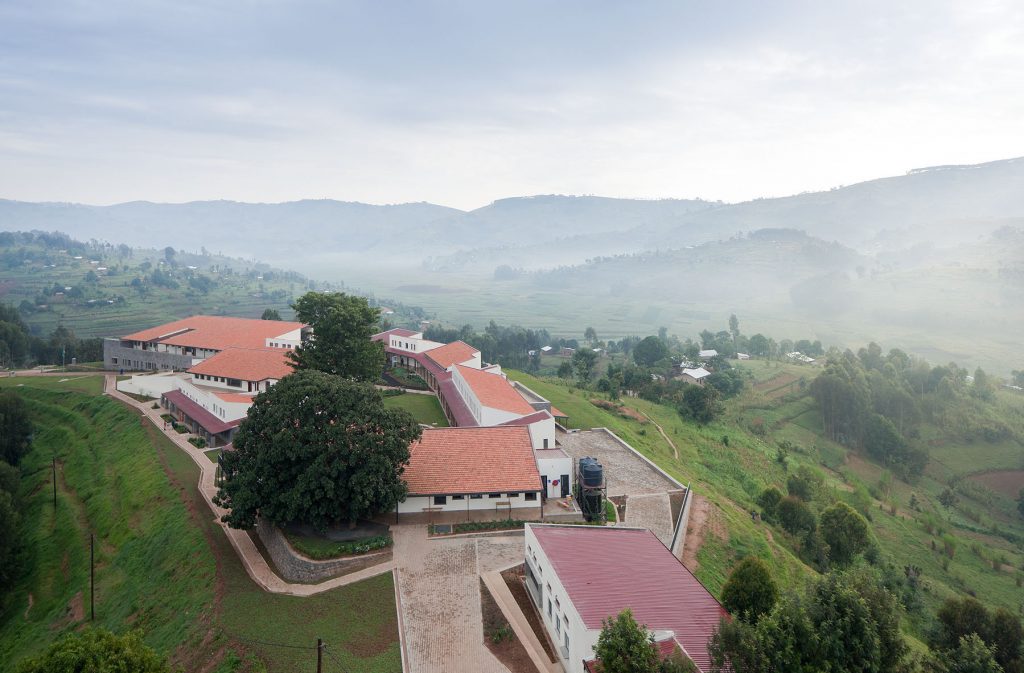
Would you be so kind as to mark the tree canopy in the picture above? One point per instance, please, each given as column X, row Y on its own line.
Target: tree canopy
column 845, row 531
column 317, row 449
column 623, row 646
column 750, row 590
column 270, row 314
column 15, row 428
column 839, row 624
column 342, row 326
column 649, row 351
column 97, row 651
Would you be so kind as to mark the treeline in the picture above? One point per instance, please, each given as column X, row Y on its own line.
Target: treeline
column 20, row 348
column 878, row 401
column 508, row 346
column 15, row 442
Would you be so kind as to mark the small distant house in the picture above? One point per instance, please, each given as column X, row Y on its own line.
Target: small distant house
column 695, row 376
column 797, row 356
column 742, row 356
column 545, row 349
column 708, row 354
column 566, row 352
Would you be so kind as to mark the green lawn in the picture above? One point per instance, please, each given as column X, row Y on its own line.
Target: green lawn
column 162, row 564
column 424, row 408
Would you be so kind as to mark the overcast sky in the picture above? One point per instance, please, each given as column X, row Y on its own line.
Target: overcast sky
column 461, row 103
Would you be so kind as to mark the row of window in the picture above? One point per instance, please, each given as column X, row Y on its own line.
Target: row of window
column 443, row 499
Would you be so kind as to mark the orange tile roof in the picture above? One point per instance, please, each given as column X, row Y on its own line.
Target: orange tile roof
column 215, row 332
column 450, row 354
column 494, row 391
column 472, row 460
column 247, row 364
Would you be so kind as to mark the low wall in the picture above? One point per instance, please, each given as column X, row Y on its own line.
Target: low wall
column 294, row 567
column 682, row 523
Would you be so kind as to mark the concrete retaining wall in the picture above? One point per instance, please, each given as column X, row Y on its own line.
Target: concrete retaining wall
column 294, row 567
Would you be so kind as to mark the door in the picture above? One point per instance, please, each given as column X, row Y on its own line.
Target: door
column 564, row 481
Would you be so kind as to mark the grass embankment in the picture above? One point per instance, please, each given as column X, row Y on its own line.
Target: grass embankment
column 424, row 408
column 730, row 465
column 162, row 564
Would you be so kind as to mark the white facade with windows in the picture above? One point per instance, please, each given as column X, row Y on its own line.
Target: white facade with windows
column 573, row 640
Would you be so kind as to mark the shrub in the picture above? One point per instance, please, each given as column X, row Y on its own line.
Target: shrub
column 197, row 442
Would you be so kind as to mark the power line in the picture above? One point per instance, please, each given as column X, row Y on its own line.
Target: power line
column 335, row 659
column 254, row 641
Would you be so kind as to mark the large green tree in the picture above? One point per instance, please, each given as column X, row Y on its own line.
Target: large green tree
column 750, row 590
column 649, row 351
column 845, row 531
column 318, row 449
column 623, row 646
column 583, row 362
column 15, row 427
column 340, row 344
column 97, row 651
column 700, row 404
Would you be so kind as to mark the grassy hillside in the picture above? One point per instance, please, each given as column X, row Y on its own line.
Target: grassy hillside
column 730, row 465
column 162, row 565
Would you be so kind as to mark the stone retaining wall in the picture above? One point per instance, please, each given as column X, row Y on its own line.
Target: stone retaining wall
column 294, row 567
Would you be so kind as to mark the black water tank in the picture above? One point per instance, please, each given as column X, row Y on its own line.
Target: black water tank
column 592, row 473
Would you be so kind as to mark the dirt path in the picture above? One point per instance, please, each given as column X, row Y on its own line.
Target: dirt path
column 675, row 451
column 705, row 519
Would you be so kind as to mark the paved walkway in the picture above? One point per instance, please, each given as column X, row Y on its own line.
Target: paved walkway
column 439, row 584
column 257, row 567
column 652, row 511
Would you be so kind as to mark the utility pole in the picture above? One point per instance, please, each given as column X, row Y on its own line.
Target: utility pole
column 319, row 655
column 55, row 484
column 92, row 577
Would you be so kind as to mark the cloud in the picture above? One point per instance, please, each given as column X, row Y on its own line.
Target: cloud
column 464, row 102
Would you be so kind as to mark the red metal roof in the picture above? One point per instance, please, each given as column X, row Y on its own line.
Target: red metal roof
column 606, row 570
column 216, row 332
column 247, row 364
column 461, row 415
column 494, row 391
column 210, row 423
column 455, row 461
column 529, row 420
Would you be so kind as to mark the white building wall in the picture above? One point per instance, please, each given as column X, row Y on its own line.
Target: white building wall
column 581, row 639
column 290, row 340
column 150, row 385
column 490, row 416
column 226, row 411
column 554, row 468
column 412, row 344
column 541, row 431
column 415, row 504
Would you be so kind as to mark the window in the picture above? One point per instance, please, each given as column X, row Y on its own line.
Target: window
column 440, row 500
column 558, row 625
column 557, row 604
column 458, row 497
column 549, row 606
column 234, row 383
column 531, row 496
column 492, row 496
column 545, row 442
column 476, row 496
column 511, row 495
column 113, row 361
